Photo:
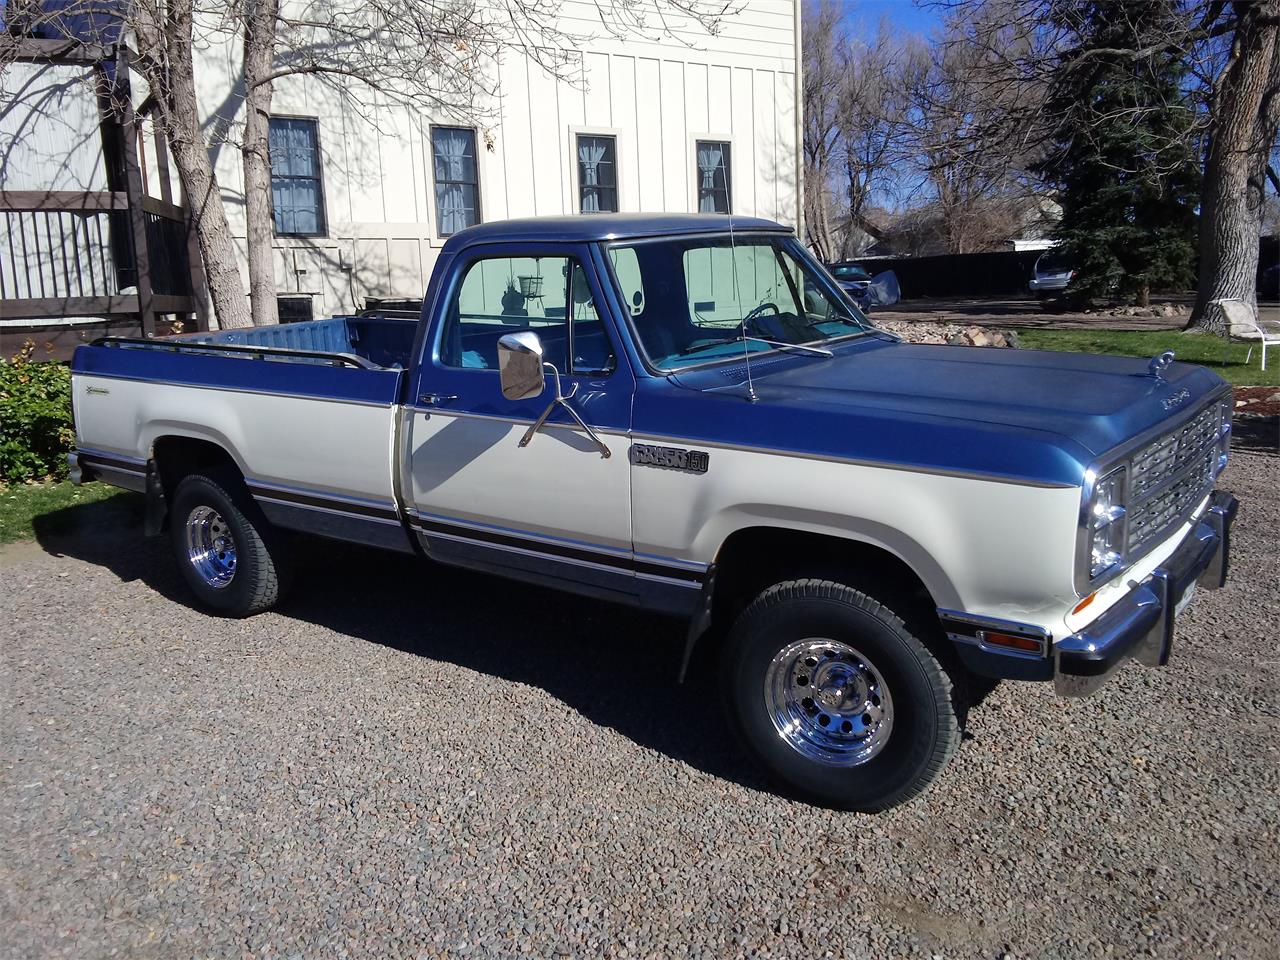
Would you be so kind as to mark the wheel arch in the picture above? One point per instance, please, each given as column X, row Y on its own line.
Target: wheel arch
column 177, row 454
column 756, row 556
column 172, row 456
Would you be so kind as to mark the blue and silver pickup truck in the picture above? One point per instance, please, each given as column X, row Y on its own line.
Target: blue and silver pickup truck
column 686, row 413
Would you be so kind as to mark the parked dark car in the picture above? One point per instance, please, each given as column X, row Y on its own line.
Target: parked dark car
column 854, row 280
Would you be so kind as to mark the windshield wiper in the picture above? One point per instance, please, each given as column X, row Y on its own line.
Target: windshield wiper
column 814, row 351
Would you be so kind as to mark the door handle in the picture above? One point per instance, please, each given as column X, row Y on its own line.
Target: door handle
column 436, row 399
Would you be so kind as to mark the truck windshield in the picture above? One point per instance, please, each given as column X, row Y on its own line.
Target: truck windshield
column 702, row 298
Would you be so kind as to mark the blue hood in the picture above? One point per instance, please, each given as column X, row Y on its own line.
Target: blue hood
column 1019, row 414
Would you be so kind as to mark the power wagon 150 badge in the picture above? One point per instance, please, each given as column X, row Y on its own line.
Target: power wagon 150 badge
column 671, row 458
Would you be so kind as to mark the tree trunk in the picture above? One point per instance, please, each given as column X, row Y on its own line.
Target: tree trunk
column 1246, row 114
column 259, row 58
column 173, row 74
column 817, row 221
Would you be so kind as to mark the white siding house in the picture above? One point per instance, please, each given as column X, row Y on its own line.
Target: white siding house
column 674, row 120
column 682, row 123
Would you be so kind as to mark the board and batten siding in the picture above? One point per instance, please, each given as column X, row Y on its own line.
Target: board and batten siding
column 656, row 94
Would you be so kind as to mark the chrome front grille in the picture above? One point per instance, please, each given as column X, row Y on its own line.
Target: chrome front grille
column 1170, row 475
column 1160, row 460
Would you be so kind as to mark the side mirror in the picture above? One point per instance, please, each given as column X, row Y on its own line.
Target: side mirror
column 520, row 365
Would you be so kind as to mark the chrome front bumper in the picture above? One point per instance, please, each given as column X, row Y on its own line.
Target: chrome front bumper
column 1141, row 625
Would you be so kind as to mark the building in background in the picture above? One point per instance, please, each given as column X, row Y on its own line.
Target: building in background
column 362, row 205
column 363, row 201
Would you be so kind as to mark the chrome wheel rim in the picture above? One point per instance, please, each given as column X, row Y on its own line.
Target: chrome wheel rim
column 211, row 549
column 828, row 702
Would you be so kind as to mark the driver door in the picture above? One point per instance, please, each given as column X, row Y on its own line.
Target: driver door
column 556, row 510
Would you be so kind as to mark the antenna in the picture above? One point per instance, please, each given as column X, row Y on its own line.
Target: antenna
column 742, row 324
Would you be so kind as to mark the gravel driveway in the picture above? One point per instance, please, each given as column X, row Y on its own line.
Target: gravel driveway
column 408, row 761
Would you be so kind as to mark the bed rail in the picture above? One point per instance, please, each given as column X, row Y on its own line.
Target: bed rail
column 249, row 352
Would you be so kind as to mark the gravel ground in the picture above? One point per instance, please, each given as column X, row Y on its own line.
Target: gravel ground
column 406, row 761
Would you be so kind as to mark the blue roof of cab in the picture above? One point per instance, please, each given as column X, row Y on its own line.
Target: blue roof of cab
column 592, row 227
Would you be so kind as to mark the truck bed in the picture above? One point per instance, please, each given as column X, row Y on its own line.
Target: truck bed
column 383, row 342
column 306, row 411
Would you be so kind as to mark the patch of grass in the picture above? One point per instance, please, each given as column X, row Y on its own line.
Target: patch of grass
column 23, row 505
column 1201, row 348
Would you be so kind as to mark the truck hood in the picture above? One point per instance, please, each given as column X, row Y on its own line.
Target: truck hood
column 1028, row 414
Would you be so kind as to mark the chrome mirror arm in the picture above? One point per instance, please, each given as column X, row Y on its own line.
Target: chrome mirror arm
column 563, row 401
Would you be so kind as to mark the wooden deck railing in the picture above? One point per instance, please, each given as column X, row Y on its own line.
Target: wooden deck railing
column 119, row 256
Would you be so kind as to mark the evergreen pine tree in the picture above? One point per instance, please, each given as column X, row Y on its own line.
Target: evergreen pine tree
column 1124, row 154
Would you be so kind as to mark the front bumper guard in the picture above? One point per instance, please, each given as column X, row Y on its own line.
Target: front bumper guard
column 1141, row 624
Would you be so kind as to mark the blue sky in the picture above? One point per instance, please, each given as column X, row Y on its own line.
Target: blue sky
column 864, row 15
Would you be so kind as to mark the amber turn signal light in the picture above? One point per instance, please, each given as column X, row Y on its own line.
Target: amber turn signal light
column 1083, row 603
column 1010, row 641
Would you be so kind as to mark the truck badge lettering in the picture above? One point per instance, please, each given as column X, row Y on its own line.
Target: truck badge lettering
column 670, row 458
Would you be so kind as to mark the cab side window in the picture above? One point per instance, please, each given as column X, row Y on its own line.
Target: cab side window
column 549, row 296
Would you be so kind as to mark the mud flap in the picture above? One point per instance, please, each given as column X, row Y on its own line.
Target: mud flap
column 700, row 622
column 157, row 508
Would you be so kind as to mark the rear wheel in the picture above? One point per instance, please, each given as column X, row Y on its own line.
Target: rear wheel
column 229, row 554
column 836, row 699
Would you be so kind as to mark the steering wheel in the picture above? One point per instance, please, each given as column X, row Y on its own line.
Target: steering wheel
column 758, row 311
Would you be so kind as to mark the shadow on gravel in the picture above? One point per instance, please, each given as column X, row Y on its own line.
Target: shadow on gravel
column 615, row 666
column 1256, row 434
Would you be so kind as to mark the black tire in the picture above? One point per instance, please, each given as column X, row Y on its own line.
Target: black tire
column 259, row 574
column 925, row 709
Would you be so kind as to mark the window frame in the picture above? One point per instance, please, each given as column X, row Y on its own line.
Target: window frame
column 322, row 213
column 576, row 134
column 435, row 196
column 696, row 180
column 571, row 256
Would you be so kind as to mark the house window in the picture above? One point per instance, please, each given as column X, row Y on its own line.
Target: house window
column 457, row 186
column 713, row 176
column 297, row 196
column 597, row 174
column 294, row 309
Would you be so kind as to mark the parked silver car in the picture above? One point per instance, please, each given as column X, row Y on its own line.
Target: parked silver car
column 1053, row 271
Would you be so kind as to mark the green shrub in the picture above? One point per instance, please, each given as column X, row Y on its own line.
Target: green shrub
column 35, row 418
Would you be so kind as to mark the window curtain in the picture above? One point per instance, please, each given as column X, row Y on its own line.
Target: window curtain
column 710, row 156
column 451, row 148
column 590, row 153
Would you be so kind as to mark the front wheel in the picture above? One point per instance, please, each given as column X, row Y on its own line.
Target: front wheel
column 836, row 699
column 229, row 554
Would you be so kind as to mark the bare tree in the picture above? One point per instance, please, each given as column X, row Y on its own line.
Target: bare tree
column 870, row 117
column 260, row 17
column 853, row 108
column 972, row 119
column 1244, row 123
column 164, row 34
column 823, row 38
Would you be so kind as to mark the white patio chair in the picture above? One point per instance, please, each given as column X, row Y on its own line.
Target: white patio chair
column 1243, row 326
